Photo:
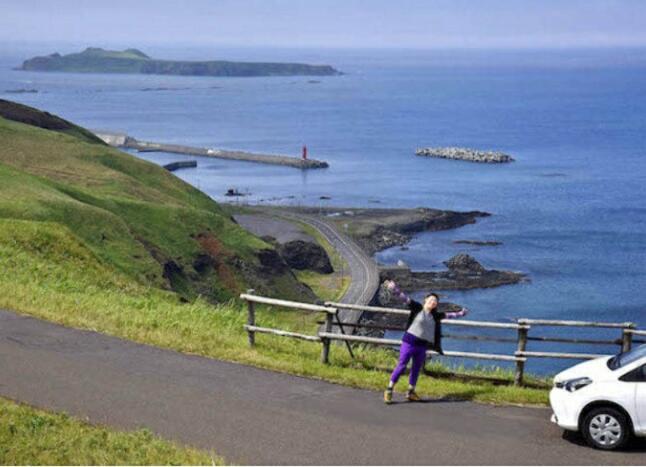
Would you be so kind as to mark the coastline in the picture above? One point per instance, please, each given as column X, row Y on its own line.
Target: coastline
column 375, row 229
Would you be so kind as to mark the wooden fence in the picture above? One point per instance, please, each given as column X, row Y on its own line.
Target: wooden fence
column 520, row 329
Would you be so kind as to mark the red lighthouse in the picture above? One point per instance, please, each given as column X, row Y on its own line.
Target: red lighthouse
column 304, row 152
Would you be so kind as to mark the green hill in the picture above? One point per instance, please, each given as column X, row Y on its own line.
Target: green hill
column 124, row 215
column 97, row 60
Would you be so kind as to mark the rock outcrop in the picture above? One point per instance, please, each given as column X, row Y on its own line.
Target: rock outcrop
column 463, row 273
column 301, row 255
column 478, row 242
column 464, row 264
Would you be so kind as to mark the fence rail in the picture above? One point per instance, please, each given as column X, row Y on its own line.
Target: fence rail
column 521, row 338
column 583, row 324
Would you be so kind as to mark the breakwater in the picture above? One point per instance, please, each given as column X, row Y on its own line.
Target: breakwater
column 173, row 166
column 466, row 154
column 124, row 141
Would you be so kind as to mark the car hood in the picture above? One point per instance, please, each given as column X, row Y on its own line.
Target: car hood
column 593, row 369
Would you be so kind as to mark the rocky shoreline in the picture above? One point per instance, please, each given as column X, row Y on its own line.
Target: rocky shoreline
column 465, row 154
column 375, row 230
column 463, row 272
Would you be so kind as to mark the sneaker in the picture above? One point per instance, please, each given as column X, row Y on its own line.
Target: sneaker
column 412, row 396
column 388, row 396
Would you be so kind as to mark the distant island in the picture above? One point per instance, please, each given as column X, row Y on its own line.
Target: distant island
column 466, row 154
column 133, row 61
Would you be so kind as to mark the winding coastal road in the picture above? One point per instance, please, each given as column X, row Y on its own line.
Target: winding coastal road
column 283, row 224
column 363, row 269
column 254, row 416
column 364, row 274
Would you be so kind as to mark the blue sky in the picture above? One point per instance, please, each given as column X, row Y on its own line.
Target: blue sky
column 330, row 23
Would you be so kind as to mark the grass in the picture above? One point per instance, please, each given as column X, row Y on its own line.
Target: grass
column 48, row 272
column 328, row 287
column 34, row 437
column 131, row 213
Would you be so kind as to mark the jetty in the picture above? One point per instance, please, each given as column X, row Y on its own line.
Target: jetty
column 173, row 166
column 466, row 154
column 122, row 140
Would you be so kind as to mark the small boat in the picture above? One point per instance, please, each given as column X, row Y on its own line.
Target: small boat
column 234, row 192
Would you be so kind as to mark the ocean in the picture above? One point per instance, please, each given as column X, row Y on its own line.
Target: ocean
column 570, row 211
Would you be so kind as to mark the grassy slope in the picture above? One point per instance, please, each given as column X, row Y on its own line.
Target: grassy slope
column 34, row 117
column 46, row 272
column 130, row 213
column 33, row 437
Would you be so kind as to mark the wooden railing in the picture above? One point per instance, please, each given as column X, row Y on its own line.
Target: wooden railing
column 520, row 327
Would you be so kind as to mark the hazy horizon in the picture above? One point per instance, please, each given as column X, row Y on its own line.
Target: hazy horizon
column 336, row 24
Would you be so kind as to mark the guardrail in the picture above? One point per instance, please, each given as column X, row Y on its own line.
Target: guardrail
column 521, row 335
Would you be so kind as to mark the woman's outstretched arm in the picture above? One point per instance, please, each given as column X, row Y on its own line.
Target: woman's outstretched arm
column 456, row 314
column 396, row 292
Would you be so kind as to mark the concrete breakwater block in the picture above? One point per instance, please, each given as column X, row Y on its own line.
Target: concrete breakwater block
column 465, row 154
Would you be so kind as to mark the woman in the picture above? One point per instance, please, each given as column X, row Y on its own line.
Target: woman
column 423, row 332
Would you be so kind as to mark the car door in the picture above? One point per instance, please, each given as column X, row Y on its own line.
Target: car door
column 637, row 377
column 640, row 398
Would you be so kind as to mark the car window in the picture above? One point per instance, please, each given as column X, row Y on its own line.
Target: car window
column 638, row 375
column 623, row 359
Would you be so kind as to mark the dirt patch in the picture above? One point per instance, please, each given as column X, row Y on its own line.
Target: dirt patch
column 216, row 255
column 280, row 230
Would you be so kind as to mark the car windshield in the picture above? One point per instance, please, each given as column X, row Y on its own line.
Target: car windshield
column 626, row 358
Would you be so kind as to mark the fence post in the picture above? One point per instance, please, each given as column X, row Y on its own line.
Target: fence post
column 251, row 318
column 325, row 351
column 522, row 345
column 627, row 338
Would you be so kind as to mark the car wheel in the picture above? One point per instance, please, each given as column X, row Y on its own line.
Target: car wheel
column 606, row 428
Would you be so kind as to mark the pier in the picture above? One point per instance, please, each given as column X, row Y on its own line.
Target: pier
column 173, row 166
column 122, row 140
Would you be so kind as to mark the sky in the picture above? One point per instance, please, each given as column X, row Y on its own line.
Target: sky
column 418, row 24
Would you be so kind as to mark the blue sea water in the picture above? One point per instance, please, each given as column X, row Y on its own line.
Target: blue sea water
column 570, row 211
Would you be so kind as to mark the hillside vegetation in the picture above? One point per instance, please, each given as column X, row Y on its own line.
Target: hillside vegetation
column 132, row 216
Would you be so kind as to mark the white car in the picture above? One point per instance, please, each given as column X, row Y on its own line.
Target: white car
column 604, row 399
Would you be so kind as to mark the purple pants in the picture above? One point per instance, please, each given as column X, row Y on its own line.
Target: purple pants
column 406, row 352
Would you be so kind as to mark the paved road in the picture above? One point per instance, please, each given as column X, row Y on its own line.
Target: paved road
column 364, row 273
column 261, row 417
